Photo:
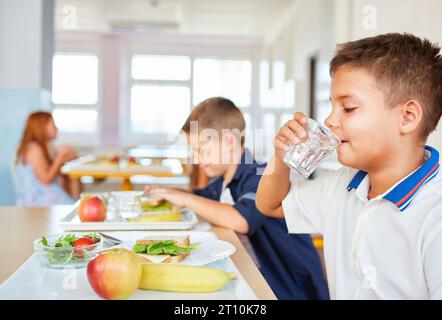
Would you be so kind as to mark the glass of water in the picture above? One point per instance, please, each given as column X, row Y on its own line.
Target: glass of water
column 127, row 204
column 306, row 156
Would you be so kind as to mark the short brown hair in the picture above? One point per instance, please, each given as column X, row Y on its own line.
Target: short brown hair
column 216, row 113
column 405, row 66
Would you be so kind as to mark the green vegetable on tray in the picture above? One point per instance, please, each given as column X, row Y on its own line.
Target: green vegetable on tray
column 162, row 206
column 163, row 247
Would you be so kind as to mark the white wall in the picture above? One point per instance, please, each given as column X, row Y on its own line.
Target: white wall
column 302, row 23
column 422, row 18
column 25, row 72
column 24, row 47
column 316, row 27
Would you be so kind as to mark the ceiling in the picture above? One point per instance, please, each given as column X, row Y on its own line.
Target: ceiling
column 218, row 17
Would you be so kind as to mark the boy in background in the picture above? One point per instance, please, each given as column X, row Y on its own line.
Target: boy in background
column 289, row 263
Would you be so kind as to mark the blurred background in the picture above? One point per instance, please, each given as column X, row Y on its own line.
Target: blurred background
column 122, row 76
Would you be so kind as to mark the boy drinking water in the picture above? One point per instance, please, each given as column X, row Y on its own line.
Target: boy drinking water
column 289, row 263
column 380, row 215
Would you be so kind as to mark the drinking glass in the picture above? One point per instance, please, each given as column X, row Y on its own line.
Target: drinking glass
column 127, row 204
column 306, row 156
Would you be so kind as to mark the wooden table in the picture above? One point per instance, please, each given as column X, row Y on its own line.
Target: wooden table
column 80, row 168
column 19, row 227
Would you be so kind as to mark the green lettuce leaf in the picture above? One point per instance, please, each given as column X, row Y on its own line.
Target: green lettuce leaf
column 163, row 247
column 163, row 206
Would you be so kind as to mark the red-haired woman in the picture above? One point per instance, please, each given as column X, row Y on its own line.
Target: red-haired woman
column 37, row 178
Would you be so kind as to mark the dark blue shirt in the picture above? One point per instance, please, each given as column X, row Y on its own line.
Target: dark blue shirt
column 289, row 263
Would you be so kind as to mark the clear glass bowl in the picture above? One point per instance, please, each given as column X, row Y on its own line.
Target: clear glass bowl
column 65, row 256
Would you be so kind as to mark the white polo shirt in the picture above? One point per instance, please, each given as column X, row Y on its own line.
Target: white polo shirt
column 389, row 247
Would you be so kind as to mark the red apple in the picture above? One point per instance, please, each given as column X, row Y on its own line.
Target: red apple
column 92, row 209
column 114, row 273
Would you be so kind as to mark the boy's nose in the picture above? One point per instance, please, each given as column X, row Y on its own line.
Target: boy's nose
column 331, row 122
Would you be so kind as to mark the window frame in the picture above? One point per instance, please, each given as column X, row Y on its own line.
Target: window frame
column 194, row 46
column 197, row 52
column 84, row 45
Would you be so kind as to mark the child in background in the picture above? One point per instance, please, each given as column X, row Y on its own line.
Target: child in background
column 37, row 175
column 289, row 263
column 381, row 214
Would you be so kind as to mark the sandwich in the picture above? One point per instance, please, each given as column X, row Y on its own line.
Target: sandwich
column 160, row 249
column 158, row 211
column 154, row 205
column 170, row 216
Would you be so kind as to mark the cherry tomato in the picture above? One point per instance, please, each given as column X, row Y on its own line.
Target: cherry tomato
column 82, row 244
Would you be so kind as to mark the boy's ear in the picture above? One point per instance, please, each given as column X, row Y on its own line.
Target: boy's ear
column 411, row 116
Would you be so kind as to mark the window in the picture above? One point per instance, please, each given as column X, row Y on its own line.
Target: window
column 281, row 95
column 75, row 79
column 284, row 118
column 161, row 83
column 159, row 109
column 75, row 92
column 269, row 123
column 231, row 79
column 164, row 87
column 247, row 120
column 159, row 94
column 277, row 98
column 76, row 120
column 151, row 67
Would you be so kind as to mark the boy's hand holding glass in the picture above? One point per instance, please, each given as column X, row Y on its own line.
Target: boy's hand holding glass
column 292, row 133
column 302, row 143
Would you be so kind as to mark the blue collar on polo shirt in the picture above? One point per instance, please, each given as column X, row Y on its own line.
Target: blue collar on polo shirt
column 402, row 194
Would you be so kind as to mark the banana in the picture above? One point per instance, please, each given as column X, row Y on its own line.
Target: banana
column 182, row 278
column 159, row 217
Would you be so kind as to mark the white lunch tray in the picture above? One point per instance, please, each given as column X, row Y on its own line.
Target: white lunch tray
column 72, row 223
column 33, row 281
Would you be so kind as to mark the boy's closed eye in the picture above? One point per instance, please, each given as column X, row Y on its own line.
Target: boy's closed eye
column 349, row 110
